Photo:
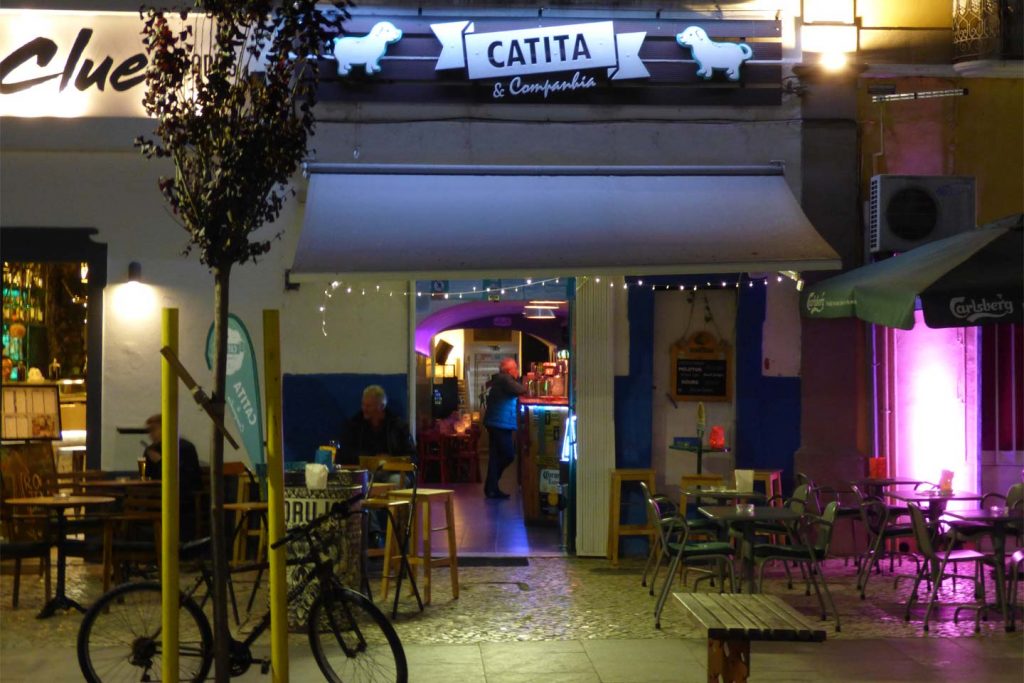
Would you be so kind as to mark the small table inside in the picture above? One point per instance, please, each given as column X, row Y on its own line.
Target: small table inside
column 58, row 504
column 997, row 524
column 732, row 621
column 747, row 522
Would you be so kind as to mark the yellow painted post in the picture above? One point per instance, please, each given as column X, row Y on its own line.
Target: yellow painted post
column 169, row 493
column 275, row 496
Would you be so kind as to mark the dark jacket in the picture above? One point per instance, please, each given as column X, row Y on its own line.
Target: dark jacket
column 190, row 476
column 501, row 401
column 358, row 437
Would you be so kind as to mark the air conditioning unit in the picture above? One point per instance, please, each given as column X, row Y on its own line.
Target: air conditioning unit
column 906, row 211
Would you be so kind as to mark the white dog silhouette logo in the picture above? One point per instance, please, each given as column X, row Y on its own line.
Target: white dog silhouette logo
column 710, row 55
column 366, row 50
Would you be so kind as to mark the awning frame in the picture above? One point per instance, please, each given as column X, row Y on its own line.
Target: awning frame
column 774, row 169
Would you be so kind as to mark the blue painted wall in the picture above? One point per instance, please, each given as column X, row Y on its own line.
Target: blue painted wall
column 633, row 396
column 315, row 406
column 633, row 410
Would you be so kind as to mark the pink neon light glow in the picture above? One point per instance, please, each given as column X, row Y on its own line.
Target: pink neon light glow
column 937, row 404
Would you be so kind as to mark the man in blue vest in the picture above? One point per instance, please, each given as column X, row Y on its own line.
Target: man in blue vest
column 500, row 420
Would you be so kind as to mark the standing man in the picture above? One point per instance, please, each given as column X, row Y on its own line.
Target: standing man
column 500, row 420
column 190, row 476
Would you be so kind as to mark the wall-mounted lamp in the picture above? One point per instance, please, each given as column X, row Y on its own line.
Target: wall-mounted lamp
column 829, row 32
column 134, row 300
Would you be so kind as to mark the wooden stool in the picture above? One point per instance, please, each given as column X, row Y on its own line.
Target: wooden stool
column 245, row 511
column 772, row 480
column 420, row 553
column 616, row 528
column 392, row 552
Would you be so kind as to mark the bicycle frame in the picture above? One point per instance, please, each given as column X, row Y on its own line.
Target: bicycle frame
column 322, row 573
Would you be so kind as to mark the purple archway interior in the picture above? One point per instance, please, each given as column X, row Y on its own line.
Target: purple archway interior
column 484, row 314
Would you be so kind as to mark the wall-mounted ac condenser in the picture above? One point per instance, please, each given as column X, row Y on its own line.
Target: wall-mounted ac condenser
column 906, row 211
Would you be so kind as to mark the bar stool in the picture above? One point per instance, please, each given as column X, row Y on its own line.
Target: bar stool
column 616, row 528
column 395, row 550
column 772, row 480
column 421, row 550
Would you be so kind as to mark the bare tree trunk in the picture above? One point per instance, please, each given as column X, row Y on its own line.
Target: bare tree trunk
column 221, row 631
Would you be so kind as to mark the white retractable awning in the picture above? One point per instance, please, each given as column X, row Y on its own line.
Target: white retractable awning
column 494, row 221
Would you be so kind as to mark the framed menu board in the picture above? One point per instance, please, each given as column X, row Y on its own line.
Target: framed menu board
column 701, row 367
column 31, row 412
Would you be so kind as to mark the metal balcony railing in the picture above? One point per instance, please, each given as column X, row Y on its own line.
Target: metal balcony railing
column 988, row 30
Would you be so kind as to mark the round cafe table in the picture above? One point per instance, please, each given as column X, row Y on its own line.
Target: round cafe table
column 57, row 505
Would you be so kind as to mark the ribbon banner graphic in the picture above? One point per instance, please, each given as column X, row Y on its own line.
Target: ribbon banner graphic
column 243, row 386
column 552, row 49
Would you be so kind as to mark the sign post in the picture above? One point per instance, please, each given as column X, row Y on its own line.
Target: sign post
column 275, row 497
column 169, row 526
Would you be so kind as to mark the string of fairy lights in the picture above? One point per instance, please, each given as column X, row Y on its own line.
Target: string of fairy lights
column 341, row 287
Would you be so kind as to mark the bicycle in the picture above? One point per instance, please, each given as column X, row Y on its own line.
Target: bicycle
column 351, row 639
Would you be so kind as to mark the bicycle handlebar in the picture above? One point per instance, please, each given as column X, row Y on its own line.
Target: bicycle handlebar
column 340, row 509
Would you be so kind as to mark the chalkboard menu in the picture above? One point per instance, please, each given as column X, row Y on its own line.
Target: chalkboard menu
column 695, row 377
column 701, row 369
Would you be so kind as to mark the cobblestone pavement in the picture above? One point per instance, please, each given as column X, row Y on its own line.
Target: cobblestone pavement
column 569, row 599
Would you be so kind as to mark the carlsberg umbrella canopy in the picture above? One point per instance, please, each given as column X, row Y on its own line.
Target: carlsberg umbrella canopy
column 974, row 278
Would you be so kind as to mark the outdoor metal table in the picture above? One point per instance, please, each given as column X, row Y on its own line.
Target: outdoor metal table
column 747, row 522
column 58, row 504
column 874, row 486
column 997, row 523
column 936, row 500
column 724, row 494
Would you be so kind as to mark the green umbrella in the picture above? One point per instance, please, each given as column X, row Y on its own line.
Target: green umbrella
column 972, row 278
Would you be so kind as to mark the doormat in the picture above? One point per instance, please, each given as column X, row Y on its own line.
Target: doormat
column 482, row 561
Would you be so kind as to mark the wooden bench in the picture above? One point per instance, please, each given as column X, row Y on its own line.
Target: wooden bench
column 733, row 620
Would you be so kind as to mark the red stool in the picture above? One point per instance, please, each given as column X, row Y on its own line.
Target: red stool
column 431, row 449
column 466, row 456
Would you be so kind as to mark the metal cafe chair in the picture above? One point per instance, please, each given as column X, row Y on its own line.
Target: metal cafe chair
column 720, row 553
column 1016, row 566
column 933, row 568
column 803, row 552
column 661, row 514
column 877, row 517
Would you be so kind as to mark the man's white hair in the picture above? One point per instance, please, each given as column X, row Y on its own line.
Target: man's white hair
column 376, row 391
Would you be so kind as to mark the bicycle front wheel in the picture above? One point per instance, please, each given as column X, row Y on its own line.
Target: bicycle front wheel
column 352, row 640
column 120, row 638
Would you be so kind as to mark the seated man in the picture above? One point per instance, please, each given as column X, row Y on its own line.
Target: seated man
column 374, row 430
column 190, row 477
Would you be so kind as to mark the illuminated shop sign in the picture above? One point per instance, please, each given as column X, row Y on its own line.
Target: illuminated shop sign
column 506, row 59
column 572, row 48
column 70, row 64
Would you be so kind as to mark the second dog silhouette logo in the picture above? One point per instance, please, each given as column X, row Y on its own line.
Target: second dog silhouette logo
column 710, row 55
